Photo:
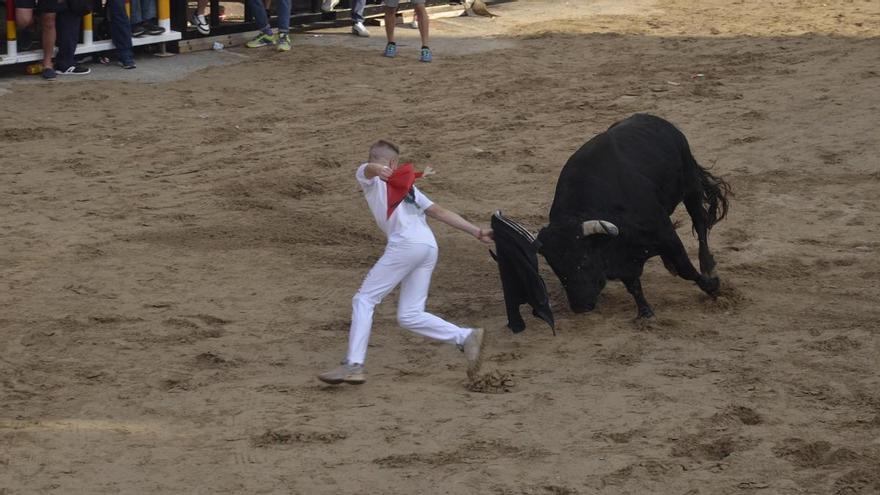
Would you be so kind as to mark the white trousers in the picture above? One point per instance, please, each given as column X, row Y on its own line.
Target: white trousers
column 409, row 265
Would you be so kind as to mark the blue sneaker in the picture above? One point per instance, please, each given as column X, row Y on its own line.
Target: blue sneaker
column 391, row 50
column 426, row 55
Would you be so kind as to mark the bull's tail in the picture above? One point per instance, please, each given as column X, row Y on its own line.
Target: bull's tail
column 713, row 192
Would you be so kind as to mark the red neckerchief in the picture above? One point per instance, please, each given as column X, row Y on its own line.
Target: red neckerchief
column 399, row 185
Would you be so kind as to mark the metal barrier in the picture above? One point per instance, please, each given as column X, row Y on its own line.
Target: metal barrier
column 173, row 15
column 88, row 45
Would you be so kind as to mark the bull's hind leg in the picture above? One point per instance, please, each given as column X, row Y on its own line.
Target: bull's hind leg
column 634, row 287
column 700, row 219
column 674, row 254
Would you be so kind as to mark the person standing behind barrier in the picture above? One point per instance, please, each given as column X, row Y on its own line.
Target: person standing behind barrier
column 199, row 20
column 120, row 33
column 68, row 20
column 422, row 18
column 144, row 19
column 261, row 16
column 24, row 19
column 357, row 15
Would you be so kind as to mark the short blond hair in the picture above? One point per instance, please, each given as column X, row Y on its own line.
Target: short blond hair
column 383, row 151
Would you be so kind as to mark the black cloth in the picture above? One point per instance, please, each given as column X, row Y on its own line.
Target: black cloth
column 48, row 6
column 518, row 266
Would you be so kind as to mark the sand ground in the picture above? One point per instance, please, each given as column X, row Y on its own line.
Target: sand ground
column 178, row 258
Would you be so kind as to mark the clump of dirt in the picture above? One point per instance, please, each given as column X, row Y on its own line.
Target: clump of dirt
column 284, row 437
column 698, row 447
column 650, row 469
column 494, row 382
column 741, row 414
column 864, row 480
column 475, row 450
column 835, row 345
column 211, row 360
column 503, row 357
column 729, row 298
column 813, row 454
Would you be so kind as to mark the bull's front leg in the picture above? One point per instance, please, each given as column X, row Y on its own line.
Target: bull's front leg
column 634, row 287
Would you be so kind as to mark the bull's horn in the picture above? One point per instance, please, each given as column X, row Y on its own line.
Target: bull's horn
column 600, row 227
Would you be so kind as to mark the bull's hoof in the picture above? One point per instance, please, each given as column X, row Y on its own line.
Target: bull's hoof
column 645, row 313
column 709, row 285
column 583, row 309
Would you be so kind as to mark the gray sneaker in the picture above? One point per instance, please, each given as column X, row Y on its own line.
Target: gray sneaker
column 344, row 373
column 473, row 352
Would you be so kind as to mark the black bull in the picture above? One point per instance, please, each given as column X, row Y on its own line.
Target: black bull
column 611, row 213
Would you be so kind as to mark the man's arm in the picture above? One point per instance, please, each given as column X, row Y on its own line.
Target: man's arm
column 377, row 169
column 453, row 219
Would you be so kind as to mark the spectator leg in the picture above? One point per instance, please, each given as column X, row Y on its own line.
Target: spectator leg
column 357, row 10
column 120, row 30
column 67, row 24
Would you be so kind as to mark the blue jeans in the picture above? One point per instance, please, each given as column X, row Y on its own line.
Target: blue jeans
column 357, row 10
column 262, row 17
column 142, row 10
column 120, row 30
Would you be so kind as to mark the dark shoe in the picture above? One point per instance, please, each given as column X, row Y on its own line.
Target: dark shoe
column 75, row 70
column 153, row 29
column 49, row 74
column 138, row 30
column 127, row 65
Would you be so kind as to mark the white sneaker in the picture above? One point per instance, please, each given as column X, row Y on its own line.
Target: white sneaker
column 473, row 352
column 359, row 29
column 329, row 5
column 201, row 24
column 345, row 373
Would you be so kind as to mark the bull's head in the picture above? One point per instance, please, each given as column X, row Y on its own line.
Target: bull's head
column 573, row 253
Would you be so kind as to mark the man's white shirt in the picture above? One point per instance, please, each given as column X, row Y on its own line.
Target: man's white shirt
column 407, row 224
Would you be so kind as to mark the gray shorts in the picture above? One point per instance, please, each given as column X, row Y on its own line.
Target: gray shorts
column 394, row 3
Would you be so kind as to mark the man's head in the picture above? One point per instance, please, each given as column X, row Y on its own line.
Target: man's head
column 384, row 152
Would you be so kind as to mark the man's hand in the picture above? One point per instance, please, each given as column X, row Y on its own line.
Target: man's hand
column 486, row 236
column 378, row 170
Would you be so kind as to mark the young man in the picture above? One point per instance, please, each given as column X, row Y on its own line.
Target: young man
column 399, row 209
column 199, row 20
column 120, row 33
column 421, row 17
column 24, row 19
column 265, row 38
column 68, row 21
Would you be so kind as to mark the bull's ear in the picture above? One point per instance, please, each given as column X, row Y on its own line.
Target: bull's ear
column 591, row 227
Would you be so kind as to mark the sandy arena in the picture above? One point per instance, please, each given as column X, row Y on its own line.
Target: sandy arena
column 178, row 260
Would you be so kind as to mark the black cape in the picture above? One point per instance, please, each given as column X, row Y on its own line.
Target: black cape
column 518, row 265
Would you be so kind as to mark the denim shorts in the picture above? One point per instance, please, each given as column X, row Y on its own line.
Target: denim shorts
column 394, row 3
